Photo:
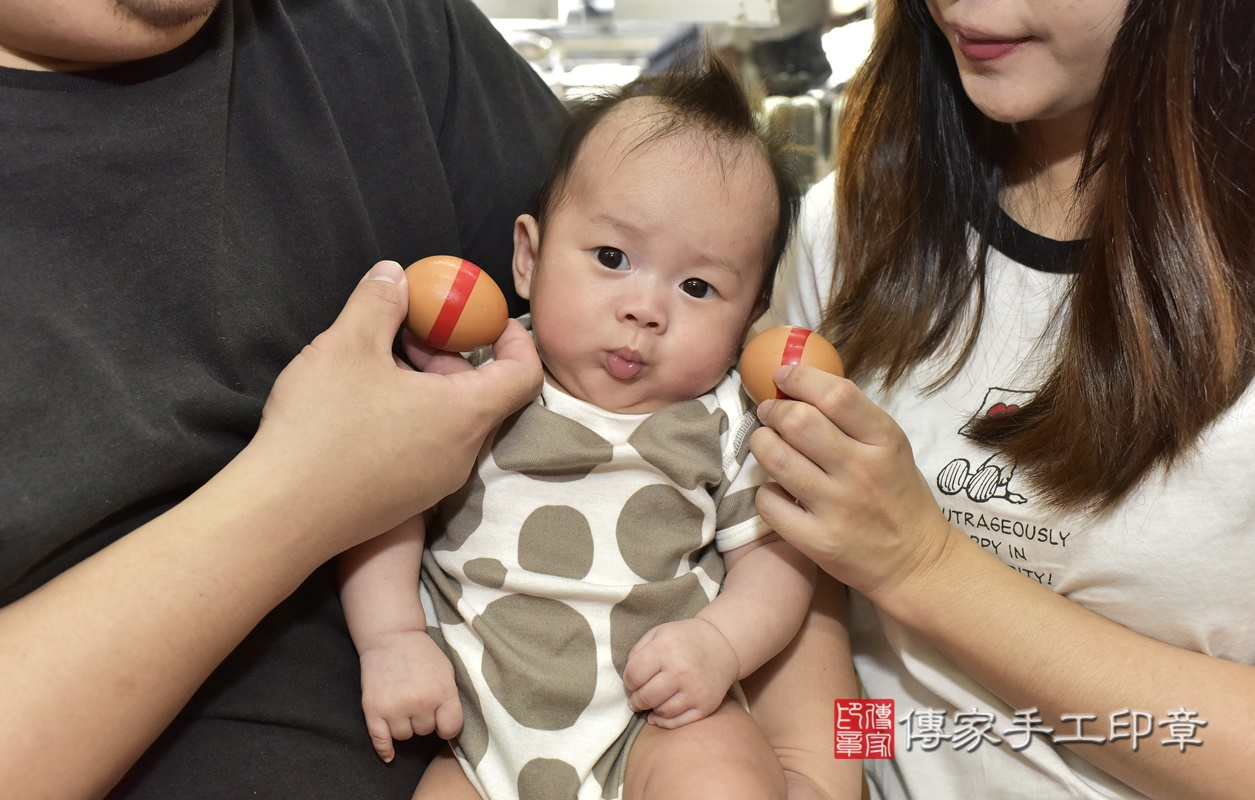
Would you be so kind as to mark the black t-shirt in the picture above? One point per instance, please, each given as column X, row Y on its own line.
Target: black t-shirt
column 172, row 232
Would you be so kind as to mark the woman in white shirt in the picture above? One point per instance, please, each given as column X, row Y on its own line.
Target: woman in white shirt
column 1036, row 261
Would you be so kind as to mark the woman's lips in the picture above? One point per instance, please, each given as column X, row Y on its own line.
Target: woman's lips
column 978, row 48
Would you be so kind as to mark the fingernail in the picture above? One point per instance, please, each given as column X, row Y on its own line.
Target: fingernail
column 783, row 371
column 389, row 271
column 764, row 407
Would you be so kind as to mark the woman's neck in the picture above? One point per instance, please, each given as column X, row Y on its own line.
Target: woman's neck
column 1041, row 192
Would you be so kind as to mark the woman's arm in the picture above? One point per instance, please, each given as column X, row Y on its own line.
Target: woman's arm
column 792, row 696
column 1055, row 655
column 95, row 663
column 851, row 471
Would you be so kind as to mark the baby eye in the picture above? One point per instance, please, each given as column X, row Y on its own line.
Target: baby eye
column 612, row 258
column 697, row 288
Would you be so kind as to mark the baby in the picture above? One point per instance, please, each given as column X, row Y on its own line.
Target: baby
column 602, row 581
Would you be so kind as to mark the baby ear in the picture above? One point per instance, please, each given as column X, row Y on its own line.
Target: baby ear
column 526, row 250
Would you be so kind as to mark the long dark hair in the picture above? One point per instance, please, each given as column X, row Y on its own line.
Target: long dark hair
column 1158, row 338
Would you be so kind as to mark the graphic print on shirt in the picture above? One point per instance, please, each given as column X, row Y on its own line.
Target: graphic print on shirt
column 989, row 480
column 1010, row 528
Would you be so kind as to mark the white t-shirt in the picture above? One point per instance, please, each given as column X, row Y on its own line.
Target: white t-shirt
column 1174, row 561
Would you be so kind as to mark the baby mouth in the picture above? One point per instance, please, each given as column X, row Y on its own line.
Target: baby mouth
column 624, row 364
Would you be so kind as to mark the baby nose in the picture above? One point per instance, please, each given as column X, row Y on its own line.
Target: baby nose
column 643, row 303
column 644, row 312
column 644, row 319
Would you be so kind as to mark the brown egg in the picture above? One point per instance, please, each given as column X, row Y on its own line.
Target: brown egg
column 776, row 347
column 454, row 305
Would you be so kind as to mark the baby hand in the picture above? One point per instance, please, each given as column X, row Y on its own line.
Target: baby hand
column 407, row 690
column 682, row 670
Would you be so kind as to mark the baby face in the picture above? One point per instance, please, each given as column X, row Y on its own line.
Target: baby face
column 651, row 265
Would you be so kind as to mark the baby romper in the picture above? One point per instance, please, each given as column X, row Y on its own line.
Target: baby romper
column 579, row 531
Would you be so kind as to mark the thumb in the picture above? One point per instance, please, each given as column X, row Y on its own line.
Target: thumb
column 510, row 380
column 376, row 308
column 449, row 718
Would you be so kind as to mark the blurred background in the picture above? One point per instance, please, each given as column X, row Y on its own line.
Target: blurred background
column 796, row 54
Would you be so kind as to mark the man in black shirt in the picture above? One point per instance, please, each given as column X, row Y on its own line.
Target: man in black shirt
column 188, row 195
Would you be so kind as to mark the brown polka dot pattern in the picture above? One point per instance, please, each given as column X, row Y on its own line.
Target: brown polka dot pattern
column 445, row 591
column 556, row 540
column 486, row 572
column 473, row 738
column 460, row 514
column 736, row 508
column 558, row 578
column 711, row 563
column 548, row 447
column 540, row 659
column 657, row 530
column 548, row 779
column 612, row 766
column 649, row 605
column 682, row 442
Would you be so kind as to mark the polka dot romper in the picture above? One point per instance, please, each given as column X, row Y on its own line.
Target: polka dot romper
column 580, row 530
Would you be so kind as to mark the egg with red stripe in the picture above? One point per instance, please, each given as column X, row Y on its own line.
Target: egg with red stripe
column 775, row 347
column 454, row 305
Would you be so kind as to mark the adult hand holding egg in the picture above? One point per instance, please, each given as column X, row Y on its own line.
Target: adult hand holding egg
column 351, row 443
column 847, row 492
column 346, row 399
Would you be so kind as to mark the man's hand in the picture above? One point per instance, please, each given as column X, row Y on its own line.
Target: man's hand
column 359, row 440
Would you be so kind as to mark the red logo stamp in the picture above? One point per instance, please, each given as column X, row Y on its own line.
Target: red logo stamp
column 863, row 728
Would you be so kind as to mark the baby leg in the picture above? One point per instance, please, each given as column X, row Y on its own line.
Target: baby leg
column 444, row 780
column 723, row 756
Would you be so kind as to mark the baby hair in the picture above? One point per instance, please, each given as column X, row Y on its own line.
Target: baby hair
column 707, row 98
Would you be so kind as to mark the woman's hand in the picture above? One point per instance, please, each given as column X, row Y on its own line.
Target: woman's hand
column 361, row 436
column 847, row 491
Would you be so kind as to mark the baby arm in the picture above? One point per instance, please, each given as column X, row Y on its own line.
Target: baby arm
column 683, row 669
column 407, row 680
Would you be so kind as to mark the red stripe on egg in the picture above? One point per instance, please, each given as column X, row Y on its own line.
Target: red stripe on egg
column 454, row 301
column 792, row 352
